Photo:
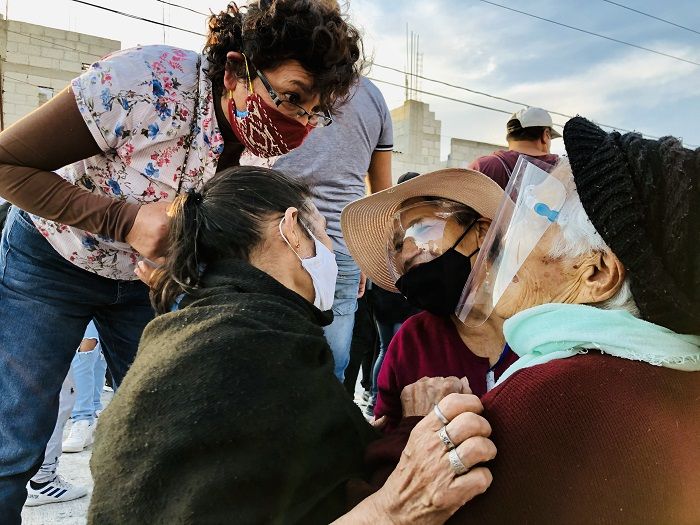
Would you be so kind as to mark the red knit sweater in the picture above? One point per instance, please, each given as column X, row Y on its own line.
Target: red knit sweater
column 428, row 345
column 588, row 439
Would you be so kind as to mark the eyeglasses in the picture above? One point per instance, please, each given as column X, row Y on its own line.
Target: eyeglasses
column 415, row 233
column 315, row 120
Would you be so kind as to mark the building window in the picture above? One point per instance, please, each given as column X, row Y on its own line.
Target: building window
column 45, row 93
column 85, row 66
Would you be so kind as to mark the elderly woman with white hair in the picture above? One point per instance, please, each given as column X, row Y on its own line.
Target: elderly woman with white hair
column 596, row 269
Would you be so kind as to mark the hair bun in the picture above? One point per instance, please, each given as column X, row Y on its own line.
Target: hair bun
column 194, row 196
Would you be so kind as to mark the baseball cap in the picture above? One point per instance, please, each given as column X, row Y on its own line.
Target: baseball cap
column 532, row 117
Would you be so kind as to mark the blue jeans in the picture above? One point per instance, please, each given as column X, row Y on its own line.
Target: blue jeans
column 45, row 305
column 89, row 369
column 339, row 332
column 48, row 469
column 386, row 331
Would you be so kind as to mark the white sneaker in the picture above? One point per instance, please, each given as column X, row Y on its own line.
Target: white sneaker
column 80, row 437
column 55, row 492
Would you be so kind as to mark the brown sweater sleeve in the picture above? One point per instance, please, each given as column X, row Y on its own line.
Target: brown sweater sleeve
column 47, row 139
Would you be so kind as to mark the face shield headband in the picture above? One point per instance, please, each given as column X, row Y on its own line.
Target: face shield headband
column 532, row 203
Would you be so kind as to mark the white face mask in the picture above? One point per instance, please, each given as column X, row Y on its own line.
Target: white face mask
column 323, row 271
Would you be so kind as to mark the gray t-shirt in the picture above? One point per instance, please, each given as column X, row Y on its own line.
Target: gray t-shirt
column 334, row 160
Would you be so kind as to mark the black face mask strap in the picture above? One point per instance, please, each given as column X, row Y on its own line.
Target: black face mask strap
column 471, row 225
column 475, row 250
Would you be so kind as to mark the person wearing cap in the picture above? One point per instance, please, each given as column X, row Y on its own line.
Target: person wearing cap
column 420, row 238
column 596, row 269
column 529, row 132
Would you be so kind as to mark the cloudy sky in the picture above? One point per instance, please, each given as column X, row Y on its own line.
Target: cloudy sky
column 483, row 47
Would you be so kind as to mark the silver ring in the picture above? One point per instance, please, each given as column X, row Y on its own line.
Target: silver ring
column 445, row 438
column 440, row 415
column 457, row 466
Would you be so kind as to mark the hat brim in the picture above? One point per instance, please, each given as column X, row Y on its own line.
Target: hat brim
column 365, row 221
column 554, row 133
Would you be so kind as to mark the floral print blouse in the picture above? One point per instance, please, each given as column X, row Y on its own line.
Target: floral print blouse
column 151, row 111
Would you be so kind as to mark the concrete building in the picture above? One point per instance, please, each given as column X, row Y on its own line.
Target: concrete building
column 463, row 151
column 417, row 142
column 38, row 62
column 416, row 139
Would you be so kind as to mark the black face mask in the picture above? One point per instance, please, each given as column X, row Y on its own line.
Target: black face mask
column 436, row 286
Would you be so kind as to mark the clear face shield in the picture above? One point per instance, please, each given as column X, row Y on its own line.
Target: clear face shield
column 532, row 203
column 415, row 234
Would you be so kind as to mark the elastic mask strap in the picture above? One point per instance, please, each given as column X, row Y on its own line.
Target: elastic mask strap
column 464, row 235
column 285, row 240
column 474, row 252
column 247, row 73
column 232, row 103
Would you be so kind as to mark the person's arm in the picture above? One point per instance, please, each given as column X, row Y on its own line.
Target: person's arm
column 379, row 171
column 49, row 138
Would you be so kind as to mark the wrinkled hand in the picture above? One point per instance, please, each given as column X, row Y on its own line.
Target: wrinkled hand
column 149, row 234
column 424, row 488
column 417, row 399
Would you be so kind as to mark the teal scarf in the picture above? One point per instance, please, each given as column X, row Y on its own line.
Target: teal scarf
column 557, row 331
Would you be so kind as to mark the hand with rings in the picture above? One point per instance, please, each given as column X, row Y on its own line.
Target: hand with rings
column 452, row 454
column 440, row 468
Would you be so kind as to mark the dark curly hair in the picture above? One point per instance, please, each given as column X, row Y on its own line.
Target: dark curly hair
column 269, row 32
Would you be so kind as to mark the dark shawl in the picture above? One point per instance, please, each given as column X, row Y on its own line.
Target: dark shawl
column 230, row 414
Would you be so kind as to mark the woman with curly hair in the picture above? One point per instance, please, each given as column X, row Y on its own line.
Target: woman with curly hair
column 138, row 128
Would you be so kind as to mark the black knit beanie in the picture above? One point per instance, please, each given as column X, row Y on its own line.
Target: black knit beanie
column 643, row 197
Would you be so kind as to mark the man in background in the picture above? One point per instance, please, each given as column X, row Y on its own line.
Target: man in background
column 529, row 132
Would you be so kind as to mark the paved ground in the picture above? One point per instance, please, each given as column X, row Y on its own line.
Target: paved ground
column 75, row 468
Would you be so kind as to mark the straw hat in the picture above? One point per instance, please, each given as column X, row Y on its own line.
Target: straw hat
column 365, row 221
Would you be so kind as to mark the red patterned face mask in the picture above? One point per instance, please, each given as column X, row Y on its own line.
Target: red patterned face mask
column 264, row 130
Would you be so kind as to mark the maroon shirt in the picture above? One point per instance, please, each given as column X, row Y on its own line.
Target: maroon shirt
column 428, row 345
column 499, row 165
column 588, row 439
